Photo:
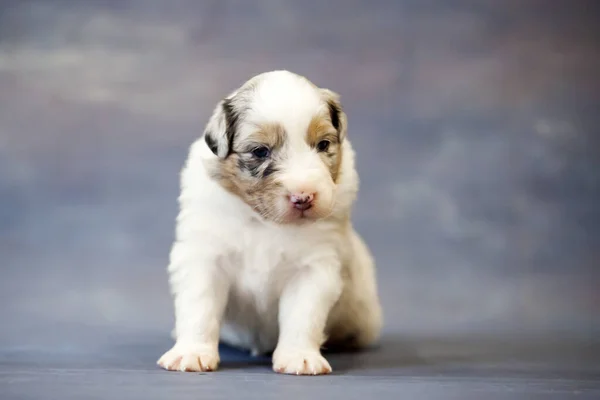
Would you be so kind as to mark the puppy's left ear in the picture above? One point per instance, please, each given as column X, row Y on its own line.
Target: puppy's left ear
column 221, row 127
column 336, row 112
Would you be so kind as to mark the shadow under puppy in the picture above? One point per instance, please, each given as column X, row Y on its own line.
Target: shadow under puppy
column 266, row 257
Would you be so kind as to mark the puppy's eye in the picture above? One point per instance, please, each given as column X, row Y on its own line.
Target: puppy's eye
column 323, row 145
column 261, row 152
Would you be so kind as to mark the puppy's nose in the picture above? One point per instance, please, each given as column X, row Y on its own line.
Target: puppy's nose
column 302, row 201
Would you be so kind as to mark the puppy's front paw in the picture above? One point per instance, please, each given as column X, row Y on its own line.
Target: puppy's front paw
column 300, row 362
column 189, row 358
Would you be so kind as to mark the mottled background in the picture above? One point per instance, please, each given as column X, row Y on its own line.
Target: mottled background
column 475, row 123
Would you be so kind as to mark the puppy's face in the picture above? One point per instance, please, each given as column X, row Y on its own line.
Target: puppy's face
column 278, row 146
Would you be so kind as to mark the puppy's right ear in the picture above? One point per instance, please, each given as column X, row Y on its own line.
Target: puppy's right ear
column 221, row 128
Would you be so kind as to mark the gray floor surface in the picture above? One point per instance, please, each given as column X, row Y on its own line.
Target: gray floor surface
column 476, row 130
column 461, row 368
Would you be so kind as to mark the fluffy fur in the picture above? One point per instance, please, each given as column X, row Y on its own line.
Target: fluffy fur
column 265, row 256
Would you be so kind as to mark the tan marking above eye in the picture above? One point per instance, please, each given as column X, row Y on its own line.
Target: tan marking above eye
column 320, row 128
column 272, row 135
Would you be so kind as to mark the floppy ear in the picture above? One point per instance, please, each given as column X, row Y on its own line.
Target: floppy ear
column 220, row 129
column 336, row 112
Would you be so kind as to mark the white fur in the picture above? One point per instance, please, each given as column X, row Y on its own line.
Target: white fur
column 267, row 286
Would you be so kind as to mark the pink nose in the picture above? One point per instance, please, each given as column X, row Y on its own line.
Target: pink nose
column 302, row 201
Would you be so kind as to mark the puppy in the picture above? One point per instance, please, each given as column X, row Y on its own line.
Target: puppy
column 266, row 257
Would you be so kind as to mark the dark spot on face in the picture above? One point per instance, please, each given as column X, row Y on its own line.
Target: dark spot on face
column 334, row 114
column 211, row 142
column 270, row 169
column 252, row 165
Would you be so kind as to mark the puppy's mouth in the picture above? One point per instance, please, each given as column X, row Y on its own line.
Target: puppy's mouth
column 304, row 214
column 302, row 206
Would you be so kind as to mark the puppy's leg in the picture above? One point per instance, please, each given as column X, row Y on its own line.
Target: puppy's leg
column 355, row 322
column 200, row 290
column 303, row 310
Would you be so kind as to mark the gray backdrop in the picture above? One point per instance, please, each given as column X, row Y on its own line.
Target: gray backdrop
column 475, row 125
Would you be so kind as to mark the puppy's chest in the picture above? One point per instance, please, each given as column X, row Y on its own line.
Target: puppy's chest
column 263, row 263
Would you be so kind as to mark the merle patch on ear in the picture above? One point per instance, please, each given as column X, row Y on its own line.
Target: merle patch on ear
column 211, row 142
column 231, row 120
column 334, row 114
column 220, row 130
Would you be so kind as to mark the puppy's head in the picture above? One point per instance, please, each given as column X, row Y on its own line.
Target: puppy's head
column 277, row 144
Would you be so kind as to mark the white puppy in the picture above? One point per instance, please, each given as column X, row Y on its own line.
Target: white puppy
column 265, row 257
